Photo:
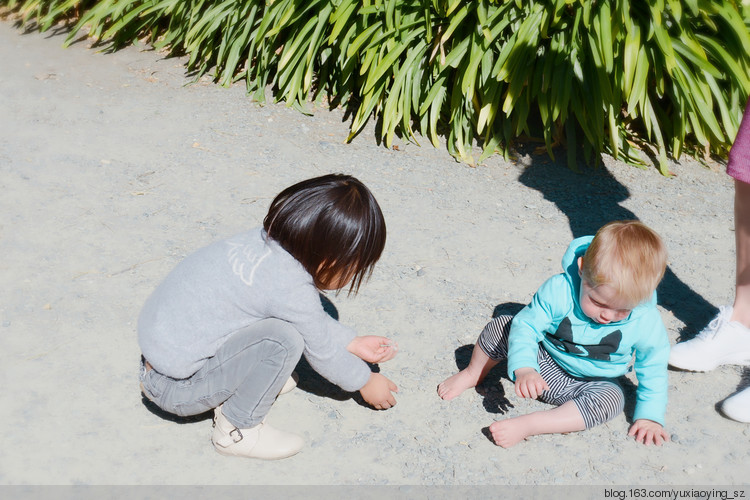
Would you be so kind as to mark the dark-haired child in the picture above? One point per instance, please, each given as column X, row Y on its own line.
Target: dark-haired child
column 227, row 326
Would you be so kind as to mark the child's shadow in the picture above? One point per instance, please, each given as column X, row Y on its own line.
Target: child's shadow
column 491, row 390
column 629, row 389
column 171, row 417
column 312, row 382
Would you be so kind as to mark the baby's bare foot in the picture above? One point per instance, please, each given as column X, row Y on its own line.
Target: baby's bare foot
column 507, row 433
column 453, row 386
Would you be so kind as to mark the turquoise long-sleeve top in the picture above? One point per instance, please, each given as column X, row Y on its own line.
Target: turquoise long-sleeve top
column 587, row 349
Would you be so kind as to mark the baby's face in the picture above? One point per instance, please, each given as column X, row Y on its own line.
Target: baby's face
column 602, row 304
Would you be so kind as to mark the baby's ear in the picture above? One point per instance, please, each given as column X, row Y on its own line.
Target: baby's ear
column 580, row 265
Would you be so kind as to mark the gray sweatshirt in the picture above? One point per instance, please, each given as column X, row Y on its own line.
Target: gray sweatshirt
column 230, row 285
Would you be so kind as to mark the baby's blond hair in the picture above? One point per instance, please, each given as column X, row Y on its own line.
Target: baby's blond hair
column 628, row 256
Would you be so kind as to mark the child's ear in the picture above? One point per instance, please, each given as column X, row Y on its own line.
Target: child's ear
column 580, row 265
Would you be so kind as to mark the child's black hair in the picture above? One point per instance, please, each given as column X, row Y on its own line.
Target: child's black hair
column 332, row 225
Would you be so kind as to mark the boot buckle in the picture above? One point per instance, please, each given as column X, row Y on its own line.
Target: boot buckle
column 236, row 435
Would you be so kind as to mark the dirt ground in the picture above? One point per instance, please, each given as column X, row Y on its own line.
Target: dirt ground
column 113, row 169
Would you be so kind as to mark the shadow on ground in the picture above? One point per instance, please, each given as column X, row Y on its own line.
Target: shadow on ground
column 593, row 198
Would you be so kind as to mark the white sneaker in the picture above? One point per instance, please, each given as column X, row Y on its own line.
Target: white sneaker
column 737, row 407
column 261, row 441
column 722, row 342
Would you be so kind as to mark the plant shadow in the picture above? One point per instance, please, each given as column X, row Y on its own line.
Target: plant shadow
column 593, row 198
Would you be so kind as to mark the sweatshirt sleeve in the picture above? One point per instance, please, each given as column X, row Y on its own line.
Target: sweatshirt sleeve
column 651, row 358
column 326, row 339
column 529, row 325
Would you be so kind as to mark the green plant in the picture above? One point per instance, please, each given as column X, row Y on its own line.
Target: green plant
column 614, row 76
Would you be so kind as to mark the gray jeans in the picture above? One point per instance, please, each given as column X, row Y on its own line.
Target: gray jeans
column 245, row 375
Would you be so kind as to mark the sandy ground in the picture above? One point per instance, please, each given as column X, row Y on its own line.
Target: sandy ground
column 113, row 169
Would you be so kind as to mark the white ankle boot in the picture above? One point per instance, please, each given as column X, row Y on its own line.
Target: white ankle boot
column 290, row 384
column 261, row 441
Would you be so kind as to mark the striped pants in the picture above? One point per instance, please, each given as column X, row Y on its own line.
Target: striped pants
column 598, row 400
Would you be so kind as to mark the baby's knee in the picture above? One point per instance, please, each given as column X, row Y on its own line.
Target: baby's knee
column 494, row 337
column 601, row 404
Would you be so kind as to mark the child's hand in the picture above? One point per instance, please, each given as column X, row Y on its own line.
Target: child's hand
column 378, row 392
column 372, row 348
column 529, row 384
column 648, row 431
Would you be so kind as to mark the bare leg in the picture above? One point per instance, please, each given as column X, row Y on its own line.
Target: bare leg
column 470, row 376
column 564, row 418
column 741, row 310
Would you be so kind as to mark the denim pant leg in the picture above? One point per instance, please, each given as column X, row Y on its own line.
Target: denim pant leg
column 246, row 374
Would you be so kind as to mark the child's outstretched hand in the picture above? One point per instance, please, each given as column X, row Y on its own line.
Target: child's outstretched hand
column 529, row 384
column 372, row 348
column 378, row 392
column 648, row 431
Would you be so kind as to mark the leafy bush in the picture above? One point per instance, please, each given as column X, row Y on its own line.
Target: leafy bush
column 614, row 76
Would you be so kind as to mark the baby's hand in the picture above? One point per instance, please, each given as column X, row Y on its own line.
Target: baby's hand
column 529, row 384
column 372, row 348
column 648, row 431
column 378, row 392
